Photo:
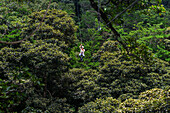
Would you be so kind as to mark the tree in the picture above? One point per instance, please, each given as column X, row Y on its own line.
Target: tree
column 100, row 105
column 27, row 37
column 153, row 100
column 113, row 9
column 44, row 58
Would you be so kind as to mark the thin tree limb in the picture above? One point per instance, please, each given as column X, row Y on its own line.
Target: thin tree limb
column 108, row 23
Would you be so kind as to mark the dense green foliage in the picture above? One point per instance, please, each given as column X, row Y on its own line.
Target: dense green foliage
column 152, row 100
column 44, row 74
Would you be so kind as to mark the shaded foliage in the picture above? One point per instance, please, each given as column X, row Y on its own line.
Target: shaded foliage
column 43, row 73
column 45, row 60
column 118, row 77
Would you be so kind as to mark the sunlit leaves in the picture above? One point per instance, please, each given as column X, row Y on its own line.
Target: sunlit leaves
column 57, row 24
column 150, row 100
column 12, row 19
column 100, row 105
column 153, row 36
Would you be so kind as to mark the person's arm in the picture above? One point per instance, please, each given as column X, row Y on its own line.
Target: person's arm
column 80, row 46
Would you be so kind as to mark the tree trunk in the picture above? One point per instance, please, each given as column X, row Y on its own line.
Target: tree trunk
column 77, row 9
column 105, row 18
column 108, row 23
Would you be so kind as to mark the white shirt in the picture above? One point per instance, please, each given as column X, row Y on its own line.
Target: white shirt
column 82, row 52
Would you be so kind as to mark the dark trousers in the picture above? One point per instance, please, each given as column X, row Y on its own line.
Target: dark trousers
column 81, row 57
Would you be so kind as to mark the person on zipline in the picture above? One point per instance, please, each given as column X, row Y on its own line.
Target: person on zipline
column 82, row 50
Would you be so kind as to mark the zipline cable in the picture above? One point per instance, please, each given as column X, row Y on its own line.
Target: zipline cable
column 98, row 14
column 27, row 37
column 78, row 15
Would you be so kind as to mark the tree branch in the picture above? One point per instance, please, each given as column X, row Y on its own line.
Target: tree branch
column 108, row 23
column 104, row 17
column 16, row 42
column 124, row 10
column 106, row 2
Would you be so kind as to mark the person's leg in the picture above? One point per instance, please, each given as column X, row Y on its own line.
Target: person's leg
column 80, row 57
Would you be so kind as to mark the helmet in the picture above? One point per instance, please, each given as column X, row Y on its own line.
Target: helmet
column 82, row 46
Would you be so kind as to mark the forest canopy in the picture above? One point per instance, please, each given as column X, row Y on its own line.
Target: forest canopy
column 125, row 68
